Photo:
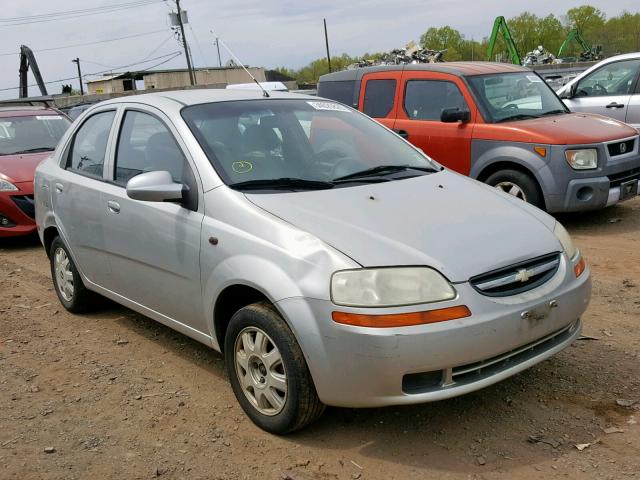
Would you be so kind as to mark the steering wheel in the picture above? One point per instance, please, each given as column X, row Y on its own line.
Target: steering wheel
column 598, row 89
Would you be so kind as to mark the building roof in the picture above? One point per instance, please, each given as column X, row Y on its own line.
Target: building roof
column 461, row 69
column 139, row 74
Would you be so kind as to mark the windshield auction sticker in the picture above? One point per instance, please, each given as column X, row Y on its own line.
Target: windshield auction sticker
column 534, row 79
column 333, row 107
column 48, row 117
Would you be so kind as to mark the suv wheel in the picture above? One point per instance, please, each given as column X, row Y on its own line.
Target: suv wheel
column 68, row 285
column 518, row 184
column 268, row 372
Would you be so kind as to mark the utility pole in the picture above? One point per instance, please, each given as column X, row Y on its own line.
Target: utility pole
column 218, row 47
column 77, row 62
column 326, row 41
column 184, row 44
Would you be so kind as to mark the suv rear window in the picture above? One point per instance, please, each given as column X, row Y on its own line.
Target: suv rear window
column 378, row 97
column 342, row 91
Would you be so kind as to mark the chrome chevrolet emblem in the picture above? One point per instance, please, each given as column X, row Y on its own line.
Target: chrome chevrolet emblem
column 524, row 275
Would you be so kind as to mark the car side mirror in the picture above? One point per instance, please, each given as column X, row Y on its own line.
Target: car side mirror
column 570, row 92
column 453, row 115
column 155, row 186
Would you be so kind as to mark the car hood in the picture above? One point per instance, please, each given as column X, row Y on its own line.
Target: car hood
column 21, row 168
column 567, row 129
column 444, row 220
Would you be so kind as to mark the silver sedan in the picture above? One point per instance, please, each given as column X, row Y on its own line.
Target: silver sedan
column 330, row 261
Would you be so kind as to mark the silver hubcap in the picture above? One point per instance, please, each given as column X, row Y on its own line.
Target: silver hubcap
column 512, row 189
column 260, row 371
column 64, row 276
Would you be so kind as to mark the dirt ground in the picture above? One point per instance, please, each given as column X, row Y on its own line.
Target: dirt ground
column 116, row 395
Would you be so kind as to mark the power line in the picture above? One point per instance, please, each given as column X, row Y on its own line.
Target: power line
column 72, row 14
column 49, row 49
column 172, row 55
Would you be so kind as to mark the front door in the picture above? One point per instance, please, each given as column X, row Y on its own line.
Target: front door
column 607, row 90
column 423, row 97
column 154, row 247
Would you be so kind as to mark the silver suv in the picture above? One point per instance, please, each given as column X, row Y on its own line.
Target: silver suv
column 329, row 260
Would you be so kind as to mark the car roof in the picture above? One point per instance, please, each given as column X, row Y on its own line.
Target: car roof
column 460, row 69
column 203, row 95
column 26, row 111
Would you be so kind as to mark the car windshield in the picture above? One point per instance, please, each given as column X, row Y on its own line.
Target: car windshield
column 30, row 134
column 514, row 96
column 300, row 144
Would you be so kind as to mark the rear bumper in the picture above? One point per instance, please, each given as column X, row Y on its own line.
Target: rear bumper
column 366, row 367
column 17, row 208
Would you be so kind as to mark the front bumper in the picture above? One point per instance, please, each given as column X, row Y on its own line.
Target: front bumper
column 615, row 180
column 367, row 367
column 18, row 208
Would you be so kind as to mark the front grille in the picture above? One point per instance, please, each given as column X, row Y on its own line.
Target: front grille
column 621, row 148
column 425, row 382
column 25, row 203
column 616, row 179
column 518, row 278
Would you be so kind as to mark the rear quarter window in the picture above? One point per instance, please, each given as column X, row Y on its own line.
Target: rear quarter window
column 342, row 91
column 378, row 97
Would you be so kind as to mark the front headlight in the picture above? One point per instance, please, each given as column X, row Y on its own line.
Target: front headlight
column 565, row 239
column 582, row 159
column 6, row 186
column 389, row 287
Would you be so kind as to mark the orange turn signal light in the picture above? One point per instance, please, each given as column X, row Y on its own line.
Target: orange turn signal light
column 401, row 319
column 542, row 151
column 580, row 267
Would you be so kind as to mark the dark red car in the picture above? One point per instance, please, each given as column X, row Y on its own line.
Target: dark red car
column 27, row 136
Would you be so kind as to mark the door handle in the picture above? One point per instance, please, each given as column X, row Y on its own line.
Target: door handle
column 59, row 187
column 615, row 105
column 403, row 133
column 114, row 207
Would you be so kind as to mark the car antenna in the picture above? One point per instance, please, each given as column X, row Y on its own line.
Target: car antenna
column 264, row 91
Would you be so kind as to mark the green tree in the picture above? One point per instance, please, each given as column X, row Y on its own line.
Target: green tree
column 441, row 38
column 587, row 19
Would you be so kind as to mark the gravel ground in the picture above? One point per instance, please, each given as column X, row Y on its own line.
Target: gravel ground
column 115, row 395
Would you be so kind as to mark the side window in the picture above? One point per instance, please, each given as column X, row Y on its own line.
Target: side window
column 425, row 99
column 145, row 144
column 90, row 144
column 616, row 78
column 378, row 97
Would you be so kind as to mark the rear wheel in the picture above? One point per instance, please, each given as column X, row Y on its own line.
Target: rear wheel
column 68, row 285
column 268, row 372
column 519, row 184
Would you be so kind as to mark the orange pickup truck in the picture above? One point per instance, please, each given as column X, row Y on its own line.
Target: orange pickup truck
column 500, row 124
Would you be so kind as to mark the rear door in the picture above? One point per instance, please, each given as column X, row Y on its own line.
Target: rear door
column 633, row 110
column 378, row 96
column 607, row 90
column 77, row 195
column 423, row 96
column 154, row 247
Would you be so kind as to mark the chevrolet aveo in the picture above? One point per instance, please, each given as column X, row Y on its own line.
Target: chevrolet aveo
column 328, row 259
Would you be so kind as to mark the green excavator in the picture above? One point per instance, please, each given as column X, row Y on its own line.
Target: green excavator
column 588, row 53
column 500, row 27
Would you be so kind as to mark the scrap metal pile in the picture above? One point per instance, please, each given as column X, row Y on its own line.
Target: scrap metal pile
column 411, row 54
column 539, row 56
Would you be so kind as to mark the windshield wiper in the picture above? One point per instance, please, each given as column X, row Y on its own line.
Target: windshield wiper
column 282, row 184
column 520, row 116
column 554, row 112
column 382, row 170
column 33, row 150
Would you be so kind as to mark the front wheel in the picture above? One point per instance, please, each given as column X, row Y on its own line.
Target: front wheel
column 268, row 372
column 519, row 184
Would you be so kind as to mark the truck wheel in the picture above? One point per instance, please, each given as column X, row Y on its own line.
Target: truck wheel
column 68, row 285
column 518, row 184
column 268, row 372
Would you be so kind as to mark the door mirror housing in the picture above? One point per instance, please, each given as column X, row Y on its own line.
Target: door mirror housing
column 453, row 115
column 570, row 92
column 155, row 187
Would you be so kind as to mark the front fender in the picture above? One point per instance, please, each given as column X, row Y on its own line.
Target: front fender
column 487, row 152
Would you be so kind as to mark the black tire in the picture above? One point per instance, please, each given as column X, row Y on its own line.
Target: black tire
column 525, row 182
column 81, row 299
column 301, row 405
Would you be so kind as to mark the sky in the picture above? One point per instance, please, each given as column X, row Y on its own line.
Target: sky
column 267, row 33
